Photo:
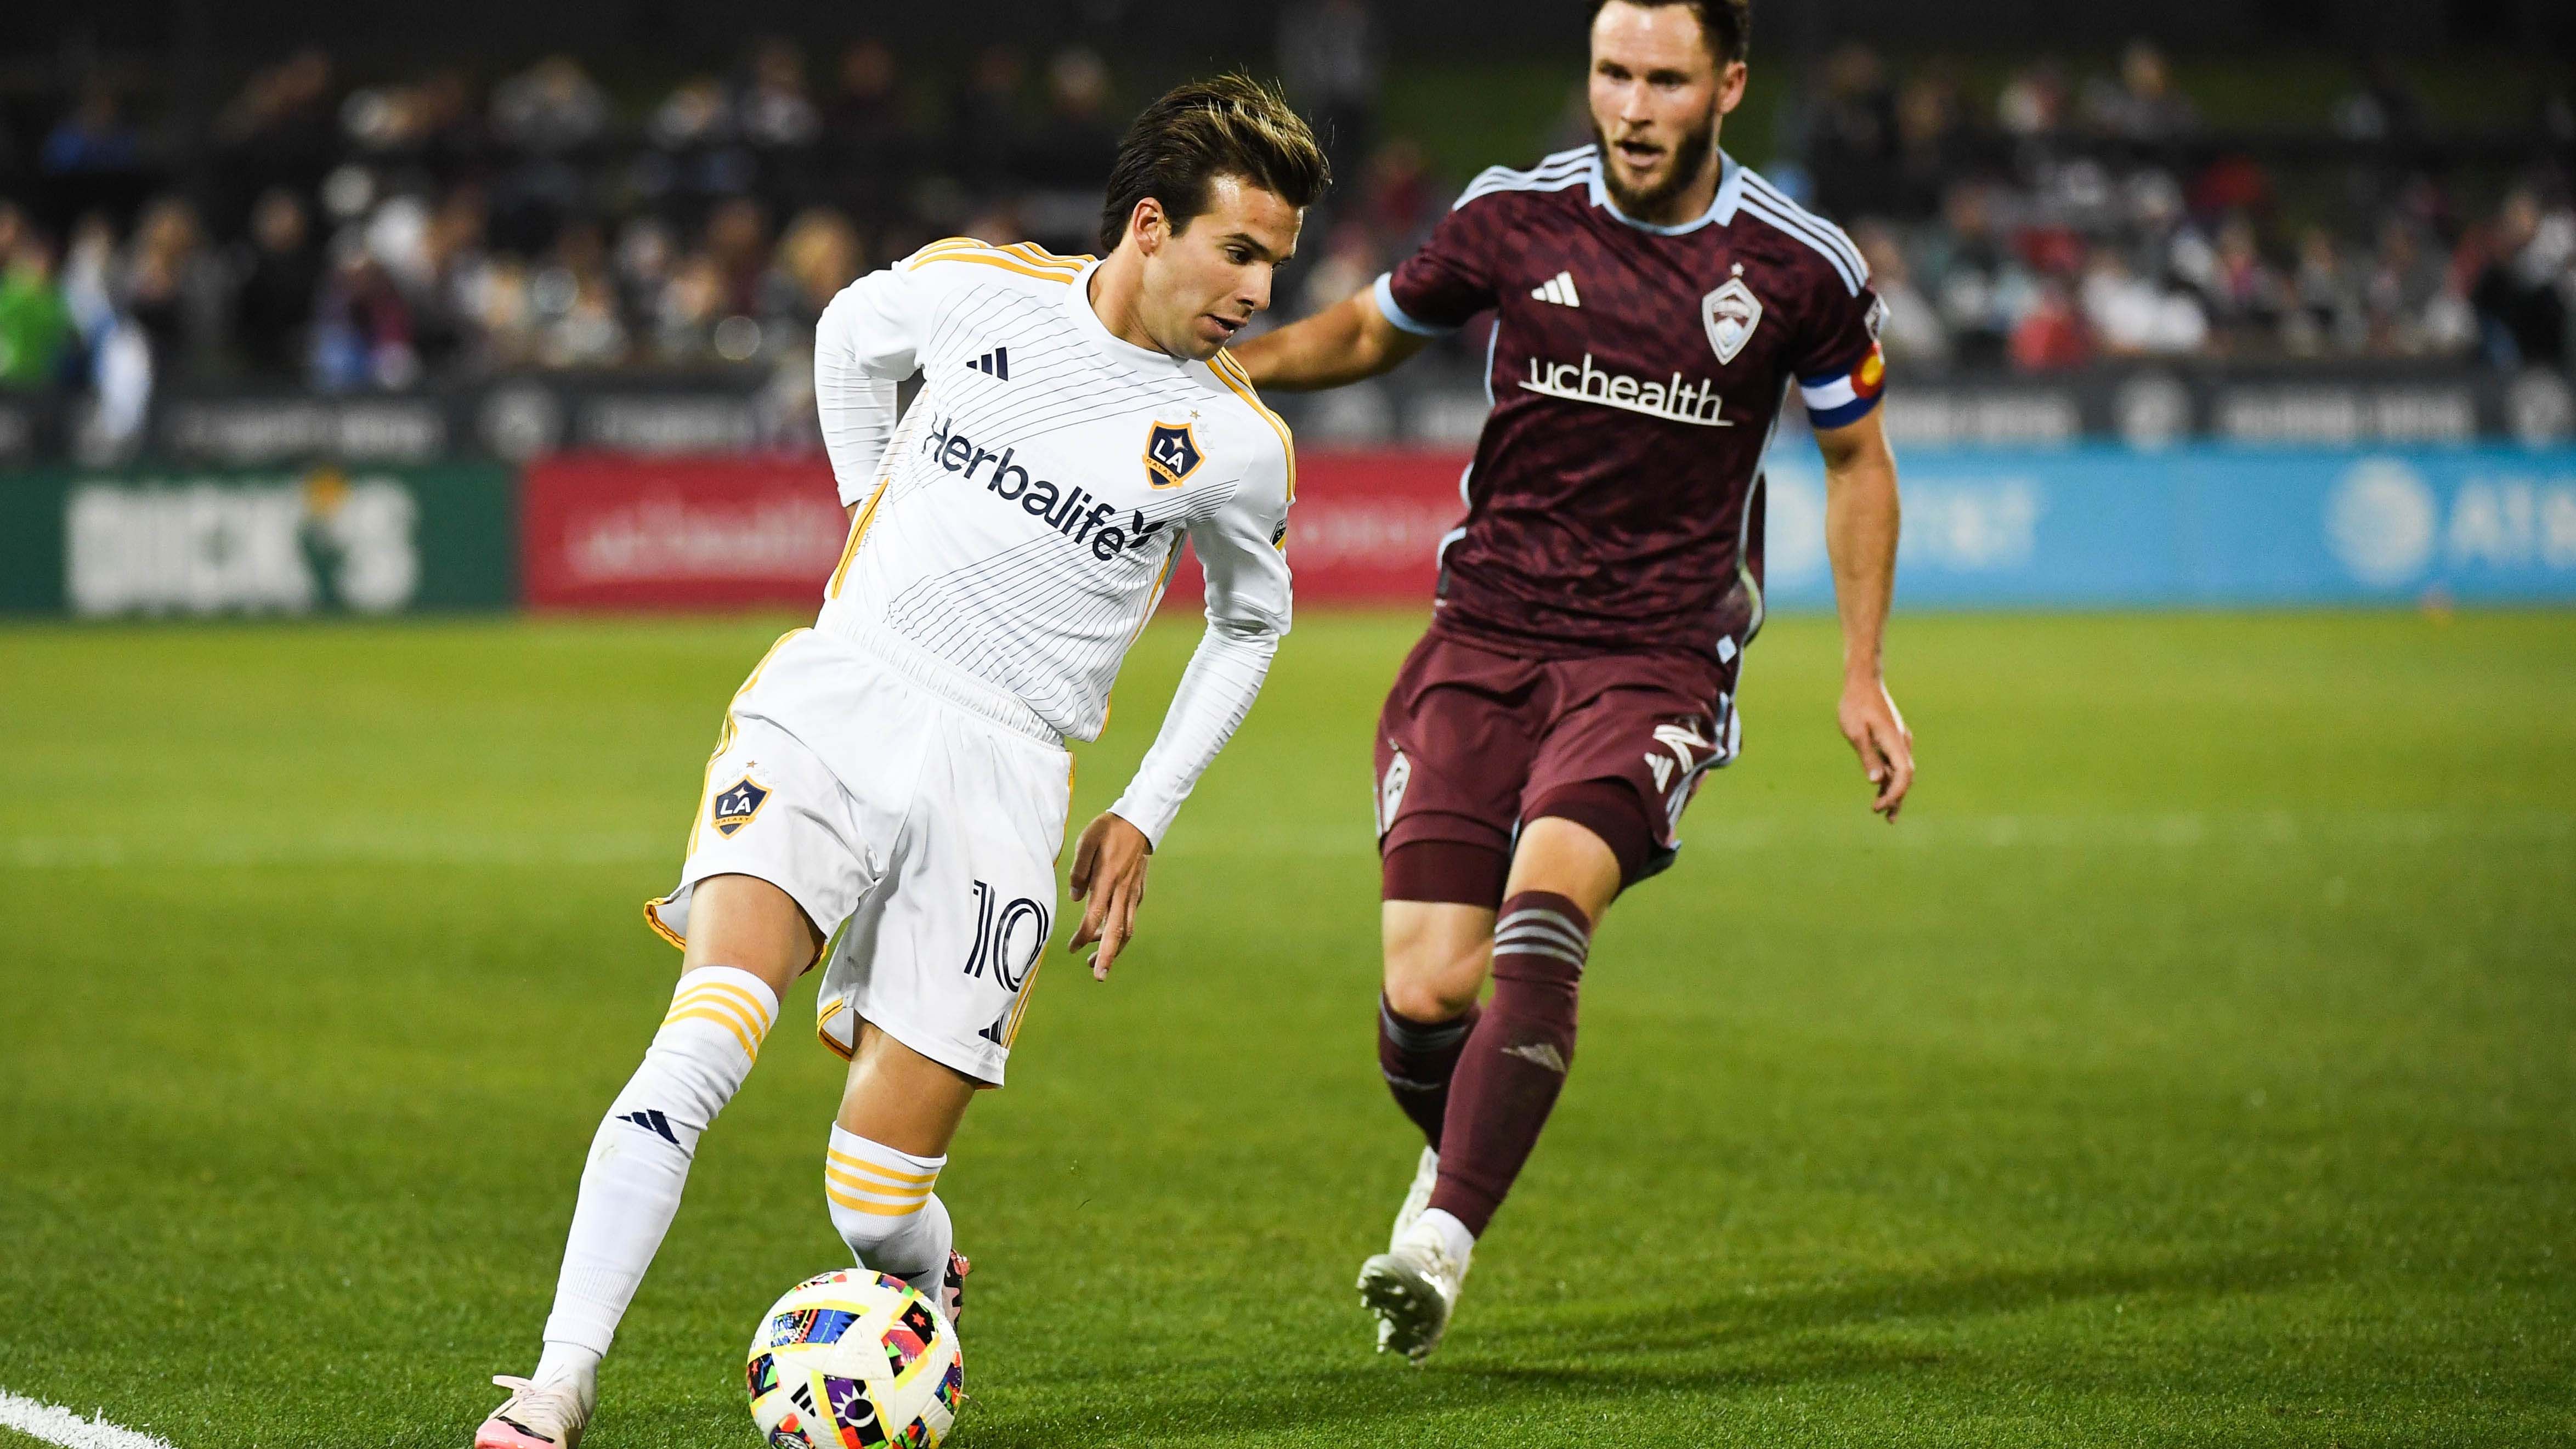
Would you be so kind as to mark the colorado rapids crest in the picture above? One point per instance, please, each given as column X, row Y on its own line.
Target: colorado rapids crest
column 1730, row 314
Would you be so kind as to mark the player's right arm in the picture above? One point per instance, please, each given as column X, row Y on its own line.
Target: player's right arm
column 1861, row 521
column 866, row 342
column 1430, row 294
column 1344, row 343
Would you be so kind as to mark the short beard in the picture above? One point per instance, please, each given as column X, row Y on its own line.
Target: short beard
column 1689, row 154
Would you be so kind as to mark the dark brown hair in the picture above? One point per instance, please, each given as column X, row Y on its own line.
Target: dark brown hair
column 1727, row 25
column 1230, row 126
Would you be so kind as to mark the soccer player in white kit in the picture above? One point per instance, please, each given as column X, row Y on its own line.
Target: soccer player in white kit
column 893, row 781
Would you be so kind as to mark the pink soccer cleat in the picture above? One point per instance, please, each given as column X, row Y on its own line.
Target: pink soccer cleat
column 952, row 1287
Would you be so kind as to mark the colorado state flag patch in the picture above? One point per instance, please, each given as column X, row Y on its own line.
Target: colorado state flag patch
column 1845, row 394
column 736, row 804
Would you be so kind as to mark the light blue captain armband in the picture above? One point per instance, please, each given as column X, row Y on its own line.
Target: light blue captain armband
column 1404, row 321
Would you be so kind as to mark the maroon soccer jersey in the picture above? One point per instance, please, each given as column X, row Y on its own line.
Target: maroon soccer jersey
column 1635, row 373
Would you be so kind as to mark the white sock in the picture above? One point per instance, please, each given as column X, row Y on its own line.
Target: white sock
column 639, row 1160
column 884, row 1208
column 1453, row 1234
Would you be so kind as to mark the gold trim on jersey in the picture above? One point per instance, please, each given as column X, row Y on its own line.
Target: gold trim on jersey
column 1020, row 1008
column 1026, row 258
column 677, row 941
column 1239, row 382
column 823, row 1028
column 706, row 789
column 858, row 530
column 1153, row 601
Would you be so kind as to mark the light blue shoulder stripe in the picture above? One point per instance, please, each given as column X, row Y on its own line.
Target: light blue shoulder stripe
column 1764, row 200
column 1556, row 173
column 1404, row 321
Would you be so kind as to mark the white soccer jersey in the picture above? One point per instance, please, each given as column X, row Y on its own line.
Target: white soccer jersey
column 1021, row 522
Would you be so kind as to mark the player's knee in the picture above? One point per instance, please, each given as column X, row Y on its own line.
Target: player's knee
column 1433, row 996
column 1436, row 955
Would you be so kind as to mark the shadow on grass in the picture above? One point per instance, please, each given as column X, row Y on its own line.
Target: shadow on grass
column 1715, row 1345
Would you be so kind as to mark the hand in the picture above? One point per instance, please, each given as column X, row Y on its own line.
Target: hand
column 1879, row 736
column 1109, row 873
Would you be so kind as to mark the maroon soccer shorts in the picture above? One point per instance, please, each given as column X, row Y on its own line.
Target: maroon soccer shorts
column 1474, row 741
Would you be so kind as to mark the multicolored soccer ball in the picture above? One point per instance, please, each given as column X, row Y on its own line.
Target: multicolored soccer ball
column 852, row 1359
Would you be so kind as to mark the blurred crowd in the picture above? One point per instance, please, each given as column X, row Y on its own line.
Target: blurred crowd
column 2049, row 223
column 2054, row 223
column 374, row 236
column 354, row 236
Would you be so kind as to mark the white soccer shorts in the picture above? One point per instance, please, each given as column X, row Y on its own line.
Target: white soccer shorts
column 916, row 814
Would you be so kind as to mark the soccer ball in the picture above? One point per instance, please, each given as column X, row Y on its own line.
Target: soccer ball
column 852, row 1359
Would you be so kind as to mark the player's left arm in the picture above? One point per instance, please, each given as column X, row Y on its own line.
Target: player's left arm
column 1861, row 516
column 1242, row 546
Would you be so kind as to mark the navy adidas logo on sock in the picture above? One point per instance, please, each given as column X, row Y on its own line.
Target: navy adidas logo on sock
column 996, row 363
column 653, row 1121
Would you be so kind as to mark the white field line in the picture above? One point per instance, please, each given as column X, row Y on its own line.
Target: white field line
column 62, row 1426
column 1209, row 835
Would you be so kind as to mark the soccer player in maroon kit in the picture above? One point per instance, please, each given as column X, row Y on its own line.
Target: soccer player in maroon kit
column 1654, row 304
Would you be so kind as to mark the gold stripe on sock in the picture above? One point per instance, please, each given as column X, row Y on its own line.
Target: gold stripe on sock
column 835, row 1154
column 750, row 1044
column 722, row 1006
column 725, row 991
column 862, row 1205
column 849, row 1179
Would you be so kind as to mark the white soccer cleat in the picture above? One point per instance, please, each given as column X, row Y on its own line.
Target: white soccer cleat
column 1412, row 1287
column 551, row 1417
column 1426, row 1176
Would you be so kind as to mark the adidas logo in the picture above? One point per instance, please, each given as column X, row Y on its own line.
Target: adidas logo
column 1558, row 289
column 653, row 1121
column 996, row 363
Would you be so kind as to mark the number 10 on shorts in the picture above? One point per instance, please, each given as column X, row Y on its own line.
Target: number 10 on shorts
column 1009, row 939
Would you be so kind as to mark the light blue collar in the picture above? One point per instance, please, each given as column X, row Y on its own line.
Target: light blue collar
column 1721, row 207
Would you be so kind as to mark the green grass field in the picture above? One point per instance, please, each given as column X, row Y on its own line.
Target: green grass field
column 2195, row 1064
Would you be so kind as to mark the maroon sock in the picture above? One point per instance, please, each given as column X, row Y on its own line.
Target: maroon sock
column 1516, row 1058
column 1417, row 1059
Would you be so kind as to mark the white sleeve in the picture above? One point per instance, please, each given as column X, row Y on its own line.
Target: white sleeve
column 1243, row 548
column 863, row 346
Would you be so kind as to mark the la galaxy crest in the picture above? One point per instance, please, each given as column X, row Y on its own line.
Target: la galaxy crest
column 736, row 804
column 1730, row 314
column 1171, row 454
